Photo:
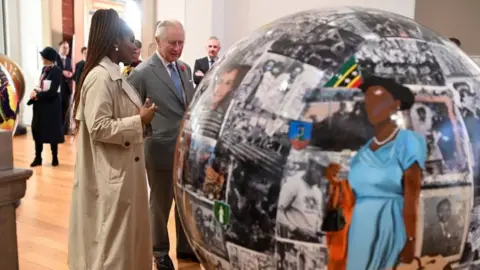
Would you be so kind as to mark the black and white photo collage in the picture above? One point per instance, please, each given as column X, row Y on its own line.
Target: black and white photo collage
column 267, row 122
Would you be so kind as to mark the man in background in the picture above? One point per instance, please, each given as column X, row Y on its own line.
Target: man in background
column 80, row 65
column 136, row 59
column 202, row 65
column 65, row 64
column 166, row 81
column 456, row 41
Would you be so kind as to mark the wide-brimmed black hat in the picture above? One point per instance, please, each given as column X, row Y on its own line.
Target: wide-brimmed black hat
column 398, row 91
column 49, row 53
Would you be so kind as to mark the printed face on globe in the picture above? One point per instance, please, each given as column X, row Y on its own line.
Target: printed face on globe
column 338, row 145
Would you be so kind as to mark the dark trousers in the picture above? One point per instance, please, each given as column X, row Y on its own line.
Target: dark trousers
column 65, row 113
column 39, row 150
column 161, row 198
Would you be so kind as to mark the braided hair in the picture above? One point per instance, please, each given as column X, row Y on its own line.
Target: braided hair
column 106, row 27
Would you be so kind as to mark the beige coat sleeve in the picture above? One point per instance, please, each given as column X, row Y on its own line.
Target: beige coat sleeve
column 100, row 120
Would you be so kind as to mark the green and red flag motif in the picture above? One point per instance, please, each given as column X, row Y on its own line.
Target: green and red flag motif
column 347, row 77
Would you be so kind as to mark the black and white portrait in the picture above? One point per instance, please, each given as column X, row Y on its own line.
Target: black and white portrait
column 468, row 103
column 209, row 115
column 208, row 232
column 242, row 258
column 291, row 255
column 434, row 118
column 445, row 215
column 338, row 126
column 409, row 61
column 301, row 203
column 277, row 84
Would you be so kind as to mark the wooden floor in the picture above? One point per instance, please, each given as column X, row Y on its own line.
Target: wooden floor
column 43, row 216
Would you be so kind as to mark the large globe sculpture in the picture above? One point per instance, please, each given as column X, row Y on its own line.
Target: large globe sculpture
column 9, row 100
column 342, row 139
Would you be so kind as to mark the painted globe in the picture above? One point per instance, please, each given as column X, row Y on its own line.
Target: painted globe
column 9, row 100
column 343, row 139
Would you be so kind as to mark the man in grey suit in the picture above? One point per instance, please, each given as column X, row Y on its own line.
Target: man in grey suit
column 166, row 81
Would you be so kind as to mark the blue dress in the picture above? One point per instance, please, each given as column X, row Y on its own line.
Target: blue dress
column 377, row 232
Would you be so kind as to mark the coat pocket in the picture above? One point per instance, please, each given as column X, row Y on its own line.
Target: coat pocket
column 110, row 162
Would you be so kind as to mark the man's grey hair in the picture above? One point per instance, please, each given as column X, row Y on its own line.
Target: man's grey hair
column 214, row 38
column 163, row 25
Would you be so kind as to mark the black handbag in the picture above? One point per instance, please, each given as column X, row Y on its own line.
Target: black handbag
column 334, row 219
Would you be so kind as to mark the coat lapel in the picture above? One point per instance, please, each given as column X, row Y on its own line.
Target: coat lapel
column 114, row 72
column 161, row 72
column 131, row 93
column 182, row 69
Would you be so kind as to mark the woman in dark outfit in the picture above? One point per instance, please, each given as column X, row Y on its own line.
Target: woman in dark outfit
column 47, row 110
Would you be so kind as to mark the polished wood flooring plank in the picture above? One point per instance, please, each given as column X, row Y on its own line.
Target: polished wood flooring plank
column 43, row 216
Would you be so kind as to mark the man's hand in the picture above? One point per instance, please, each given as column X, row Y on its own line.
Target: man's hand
column 33, row 95
column 67, row 74
column 199, row 73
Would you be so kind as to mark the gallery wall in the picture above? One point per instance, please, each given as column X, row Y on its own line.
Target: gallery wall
column 449, row 18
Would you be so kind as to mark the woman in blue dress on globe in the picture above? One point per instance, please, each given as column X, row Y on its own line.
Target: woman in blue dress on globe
column 385, row 176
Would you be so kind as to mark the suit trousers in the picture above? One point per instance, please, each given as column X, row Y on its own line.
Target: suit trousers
column 161, row 198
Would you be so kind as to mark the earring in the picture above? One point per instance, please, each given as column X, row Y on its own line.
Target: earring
column 116, row 49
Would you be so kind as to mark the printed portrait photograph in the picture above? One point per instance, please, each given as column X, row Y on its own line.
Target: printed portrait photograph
column 301, row 203
column 214, row 103
column 434, row 118
column 444, row 216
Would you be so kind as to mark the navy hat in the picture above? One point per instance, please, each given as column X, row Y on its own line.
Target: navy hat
column 49, row 53
column 398, row 91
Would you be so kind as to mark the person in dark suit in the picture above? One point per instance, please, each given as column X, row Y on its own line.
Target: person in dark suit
column 136, row 59
column 166, row 81
column 446, row 231
column 456, row 41
column 80, row 65
column 47, row 109
column 65, row 64
column 202, row 65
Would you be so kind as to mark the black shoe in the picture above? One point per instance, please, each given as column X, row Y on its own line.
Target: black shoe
column 187, row 257
column 164, row 263
column 55, row 162
column 36, row 162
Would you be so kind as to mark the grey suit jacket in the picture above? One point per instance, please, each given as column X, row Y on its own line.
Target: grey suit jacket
column 151, row 80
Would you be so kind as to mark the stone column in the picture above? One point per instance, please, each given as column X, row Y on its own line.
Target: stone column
column 13, row 183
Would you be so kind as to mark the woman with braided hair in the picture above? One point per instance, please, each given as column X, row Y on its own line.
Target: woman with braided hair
column 109, row 222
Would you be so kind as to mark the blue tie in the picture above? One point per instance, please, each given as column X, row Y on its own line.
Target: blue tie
column 176, row 79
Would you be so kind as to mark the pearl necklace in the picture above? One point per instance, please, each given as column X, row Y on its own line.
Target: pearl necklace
column 377, row 142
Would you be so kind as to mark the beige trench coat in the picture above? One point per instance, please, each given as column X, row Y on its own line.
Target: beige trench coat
column 109, row 219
